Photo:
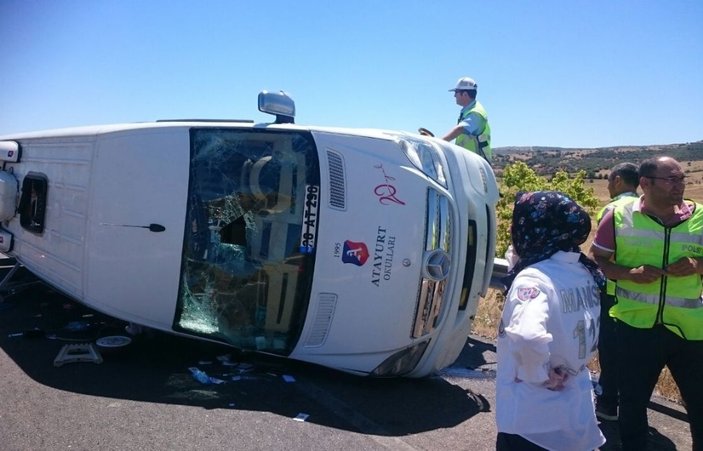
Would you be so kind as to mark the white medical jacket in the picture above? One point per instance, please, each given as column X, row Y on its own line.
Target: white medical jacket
column 550, row 320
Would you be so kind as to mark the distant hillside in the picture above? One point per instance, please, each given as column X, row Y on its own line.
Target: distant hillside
column 596, row 162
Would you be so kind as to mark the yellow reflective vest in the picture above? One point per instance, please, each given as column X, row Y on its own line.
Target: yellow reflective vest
column 480, row 144
column 620, row 199
column 672, row 301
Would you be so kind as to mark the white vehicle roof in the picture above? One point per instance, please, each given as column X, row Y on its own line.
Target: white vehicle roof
column 95, row 130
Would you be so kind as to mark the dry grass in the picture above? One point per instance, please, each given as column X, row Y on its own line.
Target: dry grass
column 490, row 308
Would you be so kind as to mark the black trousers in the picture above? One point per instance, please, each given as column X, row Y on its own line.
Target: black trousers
column 608, row 353
column 514, row 442
column 642, row 354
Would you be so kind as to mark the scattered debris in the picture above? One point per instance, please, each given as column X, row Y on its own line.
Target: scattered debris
column 133, row 329
column 202, row 377
column 468, row 373
column 244, row 378
column 113, row 342
column 76, row 326
column 31, row 333
column 199, row 375
column 13, row 288
column 77, row 352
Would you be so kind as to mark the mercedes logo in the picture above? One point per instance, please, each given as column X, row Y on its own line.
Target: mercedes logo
column 436, row 265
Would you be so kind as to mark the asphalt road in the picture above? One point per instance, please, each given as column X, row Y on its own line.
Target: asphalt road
column 145, row 397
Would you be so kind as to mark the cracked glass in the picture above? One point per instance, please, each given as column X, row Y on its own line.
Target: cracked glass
column 248, row 251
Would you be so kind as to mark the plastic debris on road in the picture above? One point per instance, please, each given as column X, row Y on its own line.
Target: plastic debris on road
column 202, row 377
column 76, row 353
column 467, row 373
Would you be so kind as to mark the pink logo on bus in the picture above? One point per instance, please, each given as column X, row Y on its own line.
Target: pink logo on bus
column 386, row 191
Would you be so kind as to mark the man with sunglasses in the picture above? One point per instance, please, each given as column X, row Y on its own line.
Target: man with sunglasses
column 653, row 249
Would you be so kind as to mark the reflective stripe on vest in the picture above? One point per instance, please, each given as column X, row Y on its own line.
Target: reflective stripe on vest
column 654, row 299
column 679, row 238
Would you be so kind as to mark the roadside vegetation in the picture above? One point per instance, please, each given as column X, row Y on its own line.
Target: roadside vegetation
column 518, row 177
column 595, row 162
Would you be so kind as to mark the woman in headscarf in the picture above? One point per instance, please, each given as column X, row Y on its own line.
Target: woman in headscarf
column 548, row 330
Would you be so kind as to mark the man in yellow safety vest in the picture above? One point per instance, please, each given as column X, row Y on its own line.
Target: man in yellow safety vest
column 472, row 130
column 623, row 181
column 653, row 249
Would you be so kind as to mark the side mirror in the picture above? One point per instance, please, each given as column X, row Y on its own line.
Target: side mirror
column 278, row 104
column 500, row 270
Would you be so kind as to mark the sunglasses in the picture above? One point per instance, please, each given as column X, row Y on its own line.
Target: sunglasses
column 669, row 180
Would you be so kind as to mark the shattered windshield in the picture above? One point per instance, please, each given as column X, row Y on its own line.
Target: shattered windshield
column 249, row 239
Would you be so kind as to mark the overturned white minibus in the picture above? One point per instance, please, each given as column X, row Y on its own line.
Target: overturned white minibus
column 361, row 250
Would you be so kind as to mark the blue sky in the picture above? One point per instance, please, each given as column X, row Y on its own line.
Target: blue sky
column 550, row 73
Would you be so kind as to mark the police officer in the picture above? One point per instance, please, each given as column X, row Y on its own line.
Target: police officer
column 623, row 181
column 472, row 130
column 653, row 249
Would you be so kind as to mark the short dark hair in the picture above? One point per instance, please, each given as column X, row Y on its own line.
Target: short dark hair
column 628, row 172
column 649, row 167
column 470, row 92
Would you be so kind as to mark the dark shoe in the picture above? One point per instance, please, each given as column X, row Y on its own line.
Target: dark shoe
column 606, row 411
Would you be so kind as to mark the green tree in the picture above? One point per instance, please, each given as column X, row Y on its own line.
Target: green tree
column 518, row 177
